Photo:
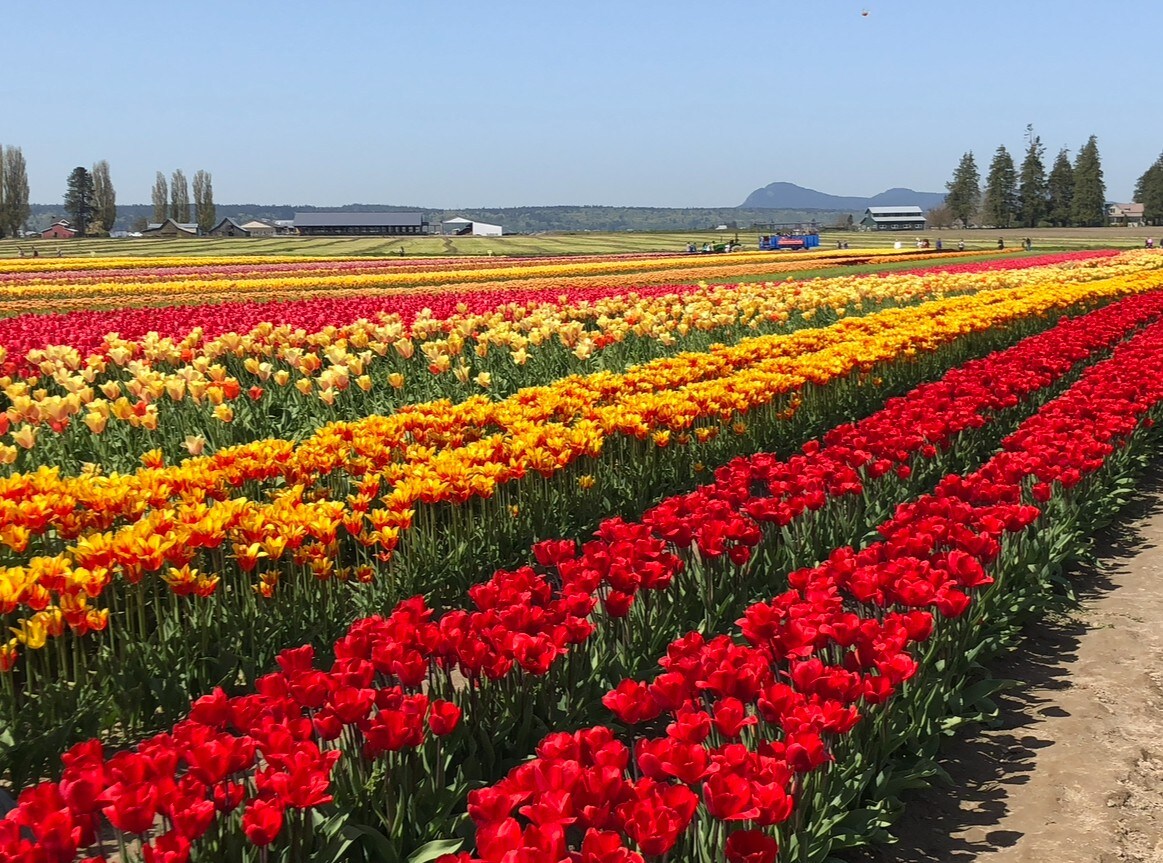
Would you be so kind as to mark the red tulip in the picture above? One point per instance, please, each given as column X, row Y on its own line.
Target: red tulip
column 750, row 846
column 261, row 821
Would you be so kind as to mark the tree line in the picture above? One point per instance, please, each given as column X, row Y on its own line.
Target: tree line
column 90, row 201
column 1072, row 194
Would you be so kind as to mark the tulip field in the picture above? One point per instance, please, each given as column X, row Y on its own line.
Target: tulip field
column 609, row 559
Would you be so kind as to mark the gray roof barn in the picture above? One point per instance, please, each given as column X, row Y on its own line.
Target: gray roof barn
column 895, row 211
column 893, row 218
column 312, row 220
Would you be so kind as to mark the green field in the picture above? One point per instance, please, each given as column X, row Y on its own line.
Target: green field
column 583, row 243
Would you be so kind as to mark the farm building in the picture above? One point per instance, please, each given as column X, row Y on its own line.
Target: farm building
column 229, row 228
column 1124, row 215
column 893, row 219
column 259, row 228
column 171, row 229
column 314, row 224
column 59, row 230
column 461, row 226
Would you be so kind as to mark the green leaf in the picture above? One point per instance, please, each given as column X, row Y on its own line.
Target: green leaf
column 377, row 845
column 437, row 847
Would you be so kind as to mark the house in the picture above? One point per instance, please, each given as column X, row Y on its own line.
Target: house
column 1124, row 215
column 284, row 226
column 315, row 224
column 893, row 219
column 171, row 229
column 229, row 228
column 461, row 226
column 59, row 230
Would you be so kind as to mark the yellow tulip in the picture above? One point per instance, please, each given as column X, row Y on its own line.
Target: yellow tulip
column 25, row 436
column 96, row 421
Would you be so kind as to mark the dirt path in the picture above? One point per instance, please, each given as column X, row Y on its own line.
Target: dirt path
column 1075, row 771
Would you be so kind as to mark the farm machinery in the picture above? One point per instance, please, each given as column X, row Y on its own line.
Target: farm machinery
column 788, row 242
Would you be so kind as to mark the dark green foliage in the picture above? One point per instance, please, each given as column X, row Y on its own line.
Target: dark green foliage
column 1032, row 191
column 1088, row 208
column 1149, row 193
column 1060, row 190
column 79, row 199
column 964, row 190
column 1000, row 207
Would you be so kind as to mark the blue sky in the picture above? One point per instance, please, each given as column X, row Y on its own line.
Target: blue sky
column 624, row 102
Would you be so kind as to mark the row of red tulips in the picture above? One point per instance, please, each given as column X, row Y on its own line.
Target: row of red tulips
column 87, row 331
column 373, row 700
column 736, row 734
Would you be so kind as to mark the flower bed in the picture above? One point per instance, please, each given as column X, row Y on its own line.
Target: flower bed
column 768, row 715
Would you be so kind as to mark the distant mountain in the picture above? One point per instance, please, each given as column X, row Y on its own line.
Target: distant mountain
column 789, row 196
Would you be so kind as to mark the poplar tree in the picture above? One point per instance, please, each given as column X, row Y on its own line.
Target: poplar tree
column 179, row 197
column 1088, row 208
column 161, row 198
column 1032, row 193
column 1001, row 190
column 1060, row 190
column 104, row 196
column 1149, row 193
column 964, row 190
column 204, row 200
column 14, row 209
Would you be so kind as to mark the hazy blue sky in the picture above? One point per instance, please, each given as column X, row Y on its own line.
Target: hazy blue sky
column 459, row 104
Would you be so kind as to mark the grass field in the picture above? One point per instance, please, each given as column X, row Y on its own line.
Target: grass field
column 1045, row 239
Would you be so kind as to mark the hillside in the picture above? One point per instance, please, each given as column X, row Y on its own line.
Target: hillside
column 791, row 196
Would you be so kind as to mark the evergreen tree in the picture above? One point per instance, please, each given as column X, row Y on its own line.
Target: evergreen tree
column 204, row 200
column 1032, row 193
column 964, row 190
column 15, row 192
column 161, row 198
column 104, row 197
column 1149, row 193
column 1060, row 188
column 1001, row 190
column 1088, row 208
column 79, row 199
column 179, row 197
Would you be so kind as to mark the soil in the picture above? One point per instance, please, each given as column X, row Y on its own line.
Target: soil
column 1073, row 770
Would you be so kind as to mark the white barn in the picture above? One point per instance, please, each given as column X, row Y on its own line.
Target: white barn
column 893, row 219
column 461, row 226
